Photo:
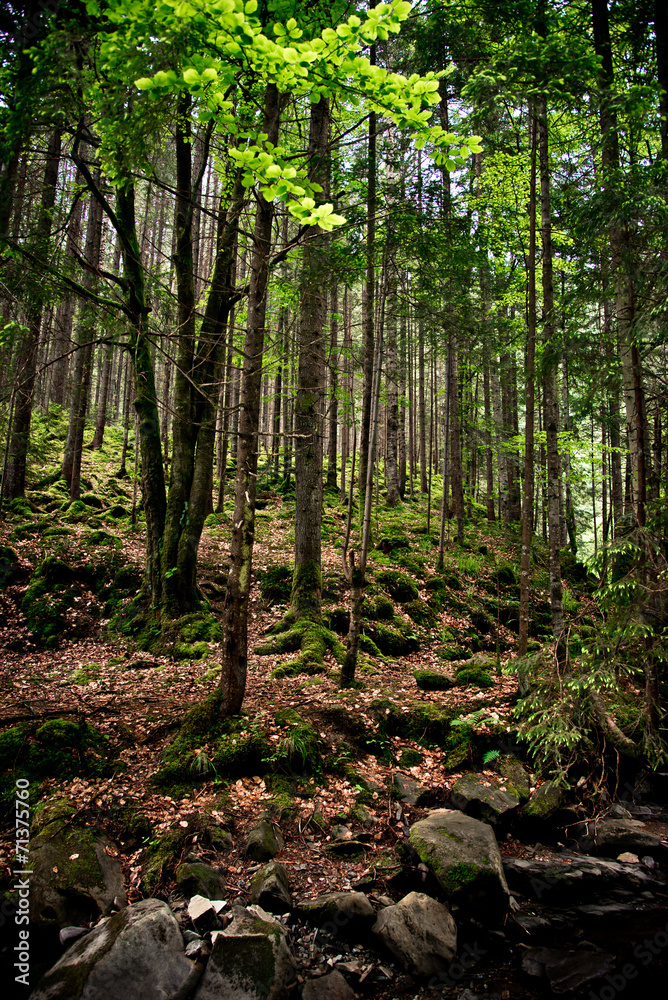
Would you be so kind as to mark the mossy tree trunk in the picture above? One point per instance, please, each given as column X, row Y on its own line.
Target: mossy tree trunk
column 306, row 584
column 235, row 612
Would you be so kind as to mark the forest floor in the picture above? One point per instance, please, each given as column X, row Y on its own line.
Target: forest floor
column 136, row 701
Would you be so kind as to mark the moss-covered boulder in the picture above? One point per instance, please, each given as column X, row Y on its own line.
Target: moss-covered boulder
column 138, row 952
column 398, row 585
column 195, row 878
column 263, row 842
column 250, row 960
column 50, row 596
column 431, row 680
column 9, row 566
column 344, row 913
column 483, row 799
column 58, row 748
column 544, row 802
column 463, row 854
column 384, row 608
column 270, row 888
column 474, row 677
column 394, row 640
column 76, row 870
column 517, row 778
column 276, row 583
column 421, row 613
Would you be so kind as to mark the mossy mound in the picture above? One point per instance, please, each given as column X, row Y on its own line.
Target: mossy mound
column 300, row 748
column 276, row 583
column 100, row 537
column 339, row 620
column 431, row 680
column 116, row 512
column 451, row 653
column 390, row 543
column 505, row 575
column 58, row 748
column 398, row 585
column 9, row 565
column 368, row 646
column 50, row 595
column 421, row 613
column 422, row 722
column 308, row 636
column 92, row 500
column 397, row 640
column 384, row 608
column 474, row 677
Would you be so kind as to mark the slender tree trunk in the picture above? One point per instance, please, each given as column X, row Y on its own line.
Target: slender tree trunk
column 333, row 390
column 235, row 613
column 369, row 312
column 26, row 360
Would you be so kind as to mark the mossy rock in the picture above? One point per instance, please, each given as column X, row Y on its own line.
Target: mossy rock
column 19, row 507
column 398, row 585
column 163, row 856
column 100, row 537
column 384, row 608
column 451, row 653
column 390, row 543
column 299, row 749
column 50, row 595
column 505, row 575
column 276, row 583
column 368, row 646
column 190, row 650
column 397, row 640
column 339, row 620
column 544, row 803
column 311, row 638
column 116, row 512
column 481, row 621
column 474, row 677
column 91, row 500
column 58, row 748
column 422, row 722
column 516, row 775
column 431, row 680
column 421, row 613
column 128, row 580
column 9, row 565
column 58, row 531
column 410, row 758
column 195, row 878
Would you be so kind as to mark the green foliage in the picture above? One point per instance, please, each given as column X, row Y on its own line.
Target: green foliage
column 276, row 583
column 398, row 585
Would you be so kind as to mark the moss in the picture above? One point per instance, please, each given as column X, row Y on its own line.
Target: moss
column 505, row 575
column 190, row 650
column 339, row 620
column 128, row 580
column 421, row 613
column 58, row 748
column 368, row 646
column 57, row 532
column 389, row 543
column 9, row 565
column 276, row 583
column 474, row 676
column 163, row 855
column 312, row 638
column 422, row 722
column 100, row 537
column 398, row 585
column 451, row 653
column 242, row 755
column 384, row 608
column 20, row 507
column 394, row 641
column 410, row 758
column 430, row 680
column 306, row 584
column 49, row 597
column 91, row 500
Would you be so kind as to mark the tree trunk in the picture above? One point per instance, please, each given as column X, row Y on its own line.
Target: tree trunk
column 26, row 360
column 333, row 389
column 306, row 584
column 235, row 612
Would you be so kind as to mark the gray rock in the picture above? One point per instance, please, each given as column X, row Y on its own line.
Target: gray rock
column 263, row 843
column 345, row 913
column 270, row 888
column 591, row 879
column 420, row 932
column 203, row 914
column 611, row 837
column 330, row 987
column 463, row 854
column 516, row 775
column 363, row 816
column 199, row 879
column 137, row 951
column 76, row 871
column 408, row 790
column 567, row 970
column 477, row 797
column 544, row 802
column 250, row 960
column 68, row 935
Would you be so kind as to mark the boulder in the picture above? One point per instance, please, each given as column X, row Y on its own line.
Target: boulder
column 544, row 802
column 590, row 879
column 345, row 913
column 518, row 779
column 199, row 879
column 409, row 791
column 567, row 970
column 463, row 854
column 330, row 987
column 611, row 837
column 203, row 914
column 250, row 960
column 420, row 932
column 138, row 951
column 478, row 797
column 263, row 843
column 270, row 888
column 76, row 870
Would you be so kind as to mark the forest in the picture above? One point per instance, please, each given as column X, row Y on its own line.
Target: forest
column 333, row 497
